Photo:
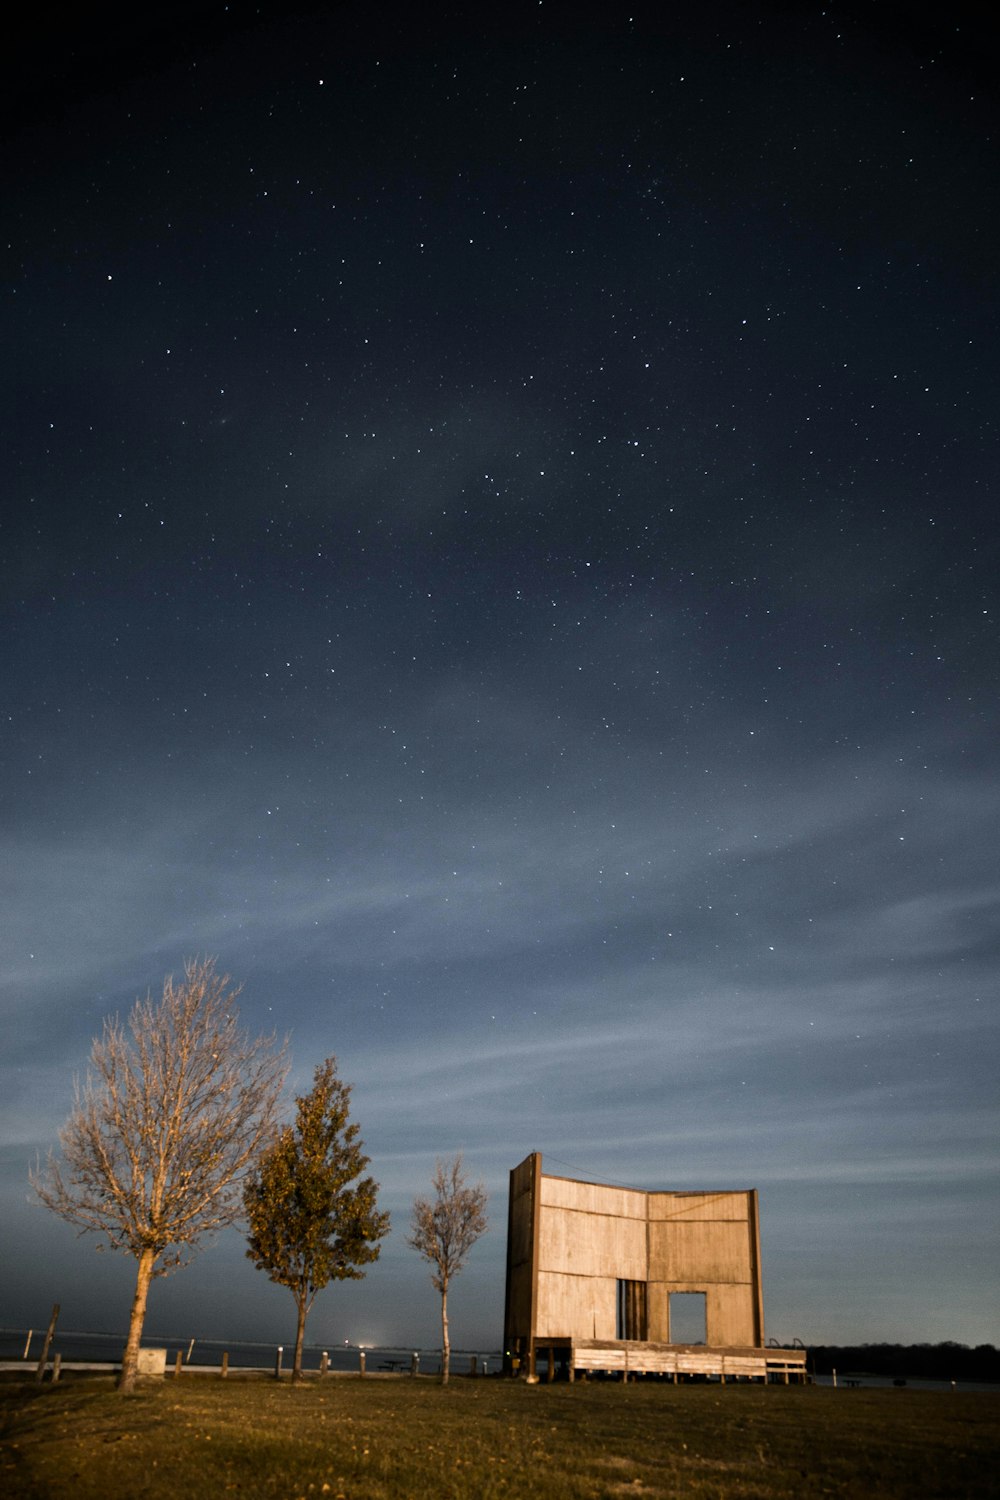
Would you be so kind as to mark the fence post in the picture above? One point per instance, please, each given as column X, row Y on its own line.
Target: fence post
column 361, row 1362
column 473, row 1365
column 225, row 1365
column 415, row 1364
column 40, row 1372
column 56, row 1367
column 277, row 1361
column 324, row 1363
column 27, row 1343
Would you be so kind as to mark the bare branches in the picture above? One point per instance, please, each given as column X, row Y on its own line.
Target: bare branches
column 445, row 1230
column 174, row 1110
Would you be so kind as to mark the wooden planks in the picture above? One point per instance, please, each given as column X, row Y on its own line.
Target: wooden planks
column 634, row 1357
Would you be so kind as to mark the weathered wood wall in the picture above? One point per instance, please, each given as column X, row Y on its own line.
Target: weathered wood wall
column 571, row 1242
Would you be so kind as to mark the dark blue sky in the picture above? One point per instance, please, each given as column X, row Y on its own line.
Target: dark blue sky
column 499, row 546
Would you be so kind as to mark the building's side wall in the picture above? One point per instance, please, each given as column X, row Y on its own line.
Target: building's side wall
column 692, row 1207
column 594, row 1198
column 589, row 1236
column 591, row 1244
column 519, row 1312
column 579, row 1307
column 706, row 1242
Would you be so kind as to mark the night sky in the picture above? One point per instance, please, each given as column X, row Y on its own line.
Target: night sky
column 499, row 546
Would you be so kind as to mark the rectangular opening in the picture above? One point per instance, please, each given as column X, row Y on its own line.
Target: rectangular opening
column 688, row 1318
column 631, row 1320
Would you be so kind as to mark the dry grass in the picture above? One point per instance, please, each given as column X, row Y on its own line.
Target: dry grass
column 349, row 1439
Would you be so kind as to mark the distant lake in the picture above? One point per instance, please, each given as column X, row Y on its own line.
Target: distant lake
column 859, row 1380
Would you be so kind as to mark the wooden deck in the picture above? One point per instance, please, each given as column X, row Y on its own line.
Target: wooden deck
column 632, row 1357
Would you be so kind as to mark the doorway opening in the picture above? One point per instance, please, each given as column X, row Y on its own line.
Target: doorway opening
column 688, row 1323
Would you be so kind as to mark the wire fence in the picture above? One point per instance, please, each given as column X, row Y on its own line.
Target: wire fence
column 81, row 1347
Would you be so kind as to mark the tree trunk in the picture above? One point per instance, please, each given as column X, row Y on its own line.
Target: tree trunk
column 299, row 1337
column 130, row 1357
column 445, row 1339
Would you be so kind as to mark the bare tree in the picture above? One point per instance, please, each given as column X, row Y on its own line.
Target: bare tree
column 311, row 1219
column 444, row 1231
column 174, row 1110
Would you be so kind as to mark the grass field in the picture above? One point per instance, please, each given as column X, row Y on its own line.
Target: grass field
column 375, row 1438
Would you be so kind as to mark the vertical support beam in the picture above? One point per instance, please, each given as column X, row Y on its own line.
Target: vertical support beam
column 536, row 1216
column 523, row 1228
column 509, row 1329
column 753, row 1227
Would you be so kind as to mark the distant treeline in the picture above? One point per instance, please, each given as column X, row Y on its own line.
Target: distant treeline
column 946, row 1361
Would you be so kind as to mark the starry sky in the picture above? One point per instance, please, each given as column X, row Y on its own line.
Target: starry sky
column 499, row 546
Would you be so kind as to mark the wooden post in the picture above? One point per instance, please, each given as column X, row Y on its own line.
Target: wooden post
column 56, row 1367
column 27, row 1343
column 277, row 1361
column 324, row 1363
column 361, row 1362
column 177, row 1363
column 473, row 1364
column 550, row 1372
column 40, row 1372
column 225, row 1365
column 415, row 1364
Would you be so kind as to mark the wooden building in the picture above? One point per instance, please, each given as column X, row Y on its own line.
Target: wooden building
column 607, row 1278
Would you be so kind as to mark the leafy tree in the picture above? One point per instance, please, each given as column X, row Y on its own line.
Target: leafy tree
column 310, row 1219
column 174, row 1110
column 444, row 1231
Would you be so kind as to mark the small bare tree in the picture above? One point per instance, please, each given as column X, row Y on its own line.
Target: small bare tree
column 444, row 1231
column 174, row 1110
